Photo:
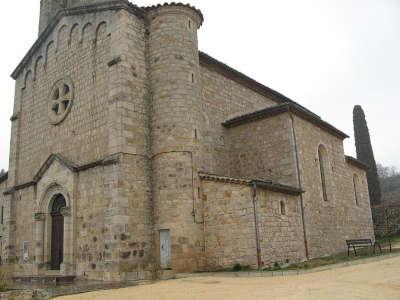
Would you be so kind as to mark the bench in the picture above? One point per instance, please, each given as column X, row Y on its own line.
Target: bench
column 361, row 243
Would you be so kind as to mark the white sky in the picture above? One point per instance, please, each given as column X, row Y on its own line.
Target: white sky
column 328, row 55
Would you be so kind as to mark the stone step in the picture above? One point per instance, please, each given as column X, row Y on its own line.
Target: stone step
column 166, row 274
column 44, row 280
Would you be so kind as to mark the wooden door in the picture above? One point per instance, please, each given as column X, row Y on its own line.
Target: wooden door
column 57, row 241
column 165, row 249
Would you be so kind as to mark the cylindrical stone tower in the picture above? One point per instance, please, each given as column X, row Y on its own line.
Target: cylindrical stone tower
column 175, row 123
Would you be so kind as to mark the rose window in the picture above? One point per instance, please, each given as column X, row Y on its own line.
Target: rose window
column 60, row 102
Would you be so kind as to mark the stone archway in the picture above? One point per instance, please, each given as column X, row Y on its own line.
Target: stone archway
column 54, row 233
column 57, row 232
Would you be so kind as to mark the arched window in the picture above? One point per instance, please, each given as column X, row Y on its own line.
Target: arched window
column 283, row 208
column 322, row 169
column 356, row 185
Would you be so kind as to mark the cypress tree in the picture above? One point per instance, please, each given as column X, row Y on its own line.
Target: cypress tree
column 366, row 154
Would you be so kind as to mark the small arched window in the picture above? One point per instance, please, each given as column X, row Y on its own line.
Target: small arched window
column 356, row 189
column 322, row 157
column 283, row 208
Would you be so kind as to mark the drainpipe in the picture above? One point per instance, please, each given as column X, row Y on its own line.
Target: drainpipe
column 299, row 185
column 254, row 197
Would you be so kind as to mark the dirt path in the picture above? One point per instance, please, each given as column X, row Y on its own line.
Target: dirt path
column 377, row 280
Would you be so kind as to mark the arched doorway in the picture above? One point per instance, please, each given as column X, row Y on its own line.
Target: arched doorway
column 57, row 232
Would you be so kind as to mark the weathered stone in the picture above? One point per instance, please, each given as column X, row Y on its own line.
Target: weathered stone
column 142, row 129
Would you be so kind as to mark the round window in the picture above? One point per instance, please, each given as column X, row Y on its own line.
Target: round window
column 60, row 102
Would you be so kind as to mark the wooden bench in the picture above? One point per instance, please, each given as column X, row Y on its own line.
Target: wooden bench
column 361, row 243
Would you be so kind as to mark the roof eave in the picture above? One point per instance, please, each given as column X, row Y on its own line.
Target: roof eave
column 357, row 163
column 267, row 185
column 277, row 187
column 279, row 109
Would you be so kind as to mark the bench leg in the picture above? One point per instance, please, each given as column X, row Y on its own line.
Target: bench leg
column 355, row 251
column 348, row 250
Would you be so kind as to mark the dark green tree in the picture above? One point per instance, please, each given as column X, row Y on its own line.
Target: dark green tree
column 366, row 154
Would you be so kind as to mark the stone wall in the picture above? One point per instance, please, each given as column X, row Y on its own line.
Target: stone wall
column 222, row 99
column 230, row 227
column 263, row 149
column 281, row 234
column 129, row 238
column 103, row 55
column 79, row 49
column 145, row 120
column 3, row 187
column 329, row 223
column 99, row 246
column 22, row 229
column 18, row 295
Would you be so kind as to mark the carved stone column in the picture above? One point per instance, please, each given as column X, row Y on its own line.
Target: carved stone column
column 67, row 267
column 40, row 219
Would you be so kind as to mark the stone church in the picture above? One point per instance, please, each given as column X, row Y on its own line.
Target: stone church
column 134, row 154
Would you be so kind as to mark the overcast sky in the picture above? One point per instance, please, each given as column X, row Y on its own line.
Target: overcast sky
column 328, row 55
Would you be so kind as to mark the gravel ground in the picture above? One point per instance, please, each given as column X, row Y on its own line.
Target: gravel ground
column 376, row 280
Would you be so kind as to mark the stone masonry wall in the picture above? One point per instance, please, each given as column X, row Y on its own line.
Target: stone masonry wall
column 100, row 246
column 79, row 49
column 263, row 149
column 129, row 215
column 229, row 225
column 281, row 235
column 142, row 95
column 98, row 252
column 230, row 228
column 223, row 99
column 22, row 227
column 109, row 115
column 330, row 223
column 3, row 187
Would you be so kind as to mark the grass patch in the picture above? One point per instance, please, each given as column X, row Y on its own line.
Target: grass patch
column 276, row 267
column 384, row 240
column 335, row 259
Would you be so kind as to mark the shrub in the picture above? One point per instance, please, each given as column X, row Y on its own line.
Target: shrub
column 239, row 267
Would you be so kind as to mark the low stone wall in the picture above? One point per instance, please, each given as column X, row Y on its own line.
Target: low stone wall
column 24, row 295
column 17, row 295
column 229, row 227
